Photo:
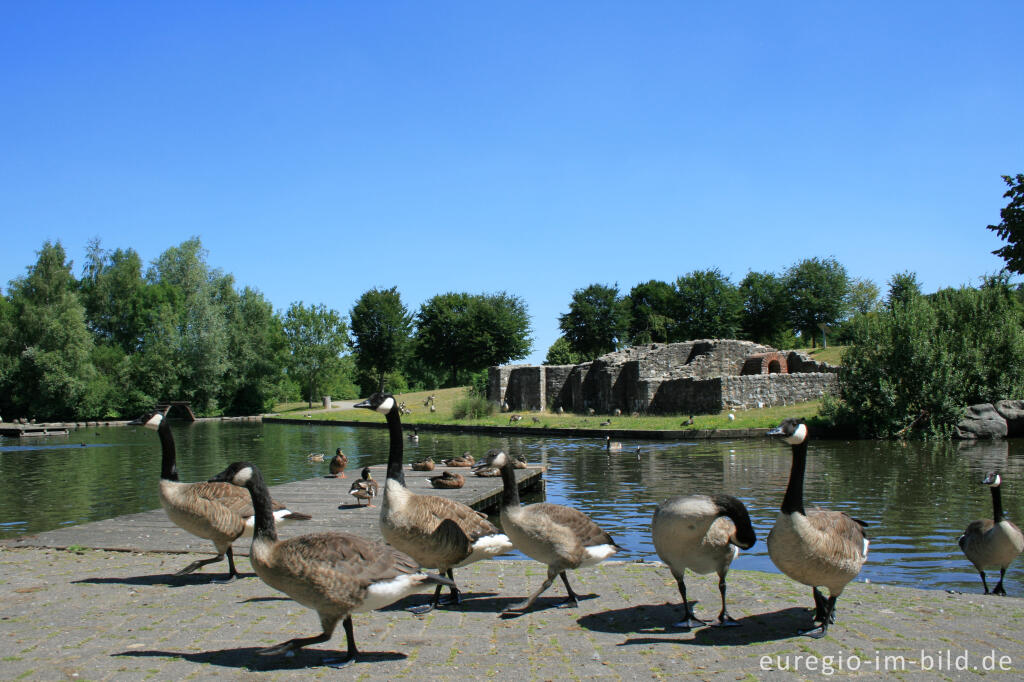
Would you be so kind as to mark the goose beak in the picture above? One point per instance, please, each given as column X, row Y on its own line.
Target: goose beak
column 777, row 431
column 364, row 404
column 150, row 421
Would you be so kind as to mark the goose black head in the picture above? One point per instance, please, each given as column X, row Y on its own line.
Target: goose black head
column 237, row 473
column 792, row 431
column 379, row 402
column 151, row 420
column 992, row 479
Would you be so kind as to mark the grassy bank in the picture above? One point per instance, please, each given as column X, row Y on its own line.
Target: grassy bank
column 445, row 400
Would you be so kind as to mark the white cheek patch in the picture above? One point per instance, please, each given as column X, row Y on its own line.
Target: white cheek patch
column 386, row 406
column 798, row 436
column 154, row 421
column 242, row 477
column 499, row 459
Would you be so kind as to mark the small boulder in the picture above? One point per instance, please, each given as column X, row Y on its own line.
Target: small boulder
column 1013, row 412
column 981, row 421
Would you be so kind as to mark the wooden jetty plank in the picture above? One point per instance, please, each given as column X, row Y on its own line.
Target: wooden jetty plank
column 327, row 499
column 32, row 430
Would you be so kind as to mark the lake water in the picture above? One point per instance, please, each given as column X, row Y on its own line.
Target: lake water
column 917, row 497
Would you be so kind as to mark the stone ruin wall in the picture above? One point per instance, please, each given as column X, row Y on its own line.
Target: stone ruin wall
column 698, row 377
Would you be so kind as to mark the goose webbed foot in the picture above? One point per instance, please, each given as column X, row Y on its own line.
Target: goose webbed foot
column 816, row 633
column 227, row 580
column 453, row 599
column 999, row 589
column 351, row 654
column 199, row 563
column 725, row 621
column 569, row 602
column 429, row 606
column 689, row 620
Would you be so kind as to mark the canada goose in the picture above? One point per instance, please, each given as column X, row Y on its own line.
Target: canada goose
column 688, row 422
column 464, row 460
column 414, row 436
column 816, row 547
column 215, row 511
column 606, row 422
column 992, row 543
column 518, row 462
column 315, row 457
column 338, row 464
column 561, row 537
column 423, row 464
column 365, row 488
column 437, row 532
column 704, row 534
column 448, row 479
column 335, row 574
column 611, row 445
column 515, row 418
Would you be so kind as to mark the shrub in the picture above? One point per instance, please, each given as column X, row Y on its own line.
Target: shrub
column 473, row 407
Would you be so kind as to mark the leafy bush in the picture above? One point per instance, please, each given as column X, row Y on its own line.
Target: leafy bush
column 914, row 367
column 473, row 407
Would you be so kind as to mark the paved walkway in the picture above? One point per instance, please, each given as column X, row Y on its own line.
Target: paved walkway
column 100, row 615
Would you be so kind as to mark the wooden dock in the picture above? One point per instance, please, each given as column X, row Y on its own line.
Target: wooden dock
column 32, row 430
column 327, row 499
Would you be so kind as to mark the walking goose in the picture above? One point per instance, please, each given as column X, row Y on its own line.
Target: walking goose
column 819, row 548
column 364, row 488
column 702, row 533
column 992, row 543
column 338, row 464
column 437, row 532
column 561, row 537
column 219, row 512
column 335, row 574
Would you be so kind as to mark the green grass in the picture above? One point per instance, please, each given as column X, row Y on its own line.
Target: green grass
column 446, row 398
column 833, row 355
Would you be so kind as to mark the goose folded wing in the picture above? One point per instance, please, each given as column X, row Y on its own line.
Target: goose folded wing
column 581, row 525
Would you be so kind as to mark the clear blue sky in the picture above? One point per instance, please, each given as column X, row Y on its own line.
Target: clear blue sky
column 320, row 149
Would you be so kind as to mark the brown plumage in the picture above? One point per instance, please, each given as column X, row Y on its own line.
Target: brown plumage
column 335, row 574
column 437, row 532
column 423, row 465
column 448, row 479
column 992, row 543
column 819, row 548
column 364, row 488
column 466, row 460
column 561, row 537
column 338, row 464
column 219, row 512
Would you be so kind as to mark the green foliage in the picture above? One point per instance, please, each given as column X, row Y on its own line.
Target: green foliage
column 708, row 306
column 463, row 332
column 914, row 367
column 817, row 292
column 765, row 309
column 381, row 327
column 473, row 406
column 597, row 321
column 316, row 338
column 561, row 353
column 652, row 312
column 1011, row 225
column 903, row 286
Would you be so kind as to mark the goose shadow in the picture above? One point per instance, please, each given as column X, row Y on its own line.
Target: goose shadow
column 657, row 619
column 471, row 602
column 346, row 506
column 165, row 579
column 248, row 658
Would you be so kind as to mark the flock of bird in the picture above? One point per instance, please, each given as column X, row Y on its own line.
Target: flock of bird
column 338, row 574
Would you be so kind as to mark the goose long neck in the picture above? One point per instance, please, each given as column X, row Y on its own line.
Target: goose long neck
column 510, row 489
column 263, row 518
column 997, row 505
column 169, row 460
column 395, row 446
column 794, row 498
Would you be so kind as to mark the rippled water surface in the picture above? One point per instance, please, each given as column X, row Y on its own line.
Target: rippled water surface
column 917, row 498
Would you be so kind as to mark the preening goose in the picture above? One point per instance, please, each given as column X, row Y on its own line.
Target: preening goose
column 364, row 488
column 702, row 533
column 819, row 548
column 561, row 537
column 992, row 543
column 449, row 480
column 219, row 512
column 437, row 532
column 338, row 464
column 335, row 574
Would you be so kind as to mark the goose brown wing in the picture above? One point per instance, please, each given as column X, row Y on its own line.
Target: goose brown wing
column 589, row 533
column 232, row 497
column 835, row 524
column 464, row 519
column 359, row 559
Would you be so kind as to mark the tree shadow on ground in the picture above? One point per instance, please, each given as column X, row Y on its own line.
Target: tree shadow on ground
column 248, row 658
column 657, row 619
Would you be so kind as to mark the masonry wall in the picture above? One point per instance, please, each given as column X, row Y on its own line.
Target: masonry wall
column 526, row 388
column 688, row 395
column 767, row 390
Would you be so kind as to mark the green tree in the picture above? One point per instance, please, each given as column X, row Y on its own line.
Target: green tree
column 258, row 352
column 903, row 286
column 467, row 333
column 382, row 328
column 652, row 307
column 1011, row 226
column 114, row 294
column 765, row 315
column 817, row 290
column 202, row 353
column 597, row 321
column 561, row 353
column 316, row 338
column 46, row 344
column 708, row 306
column 862, row 297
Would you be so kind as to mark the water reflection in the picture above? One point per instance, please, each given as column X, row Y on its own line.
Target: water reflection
column 916, row 497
